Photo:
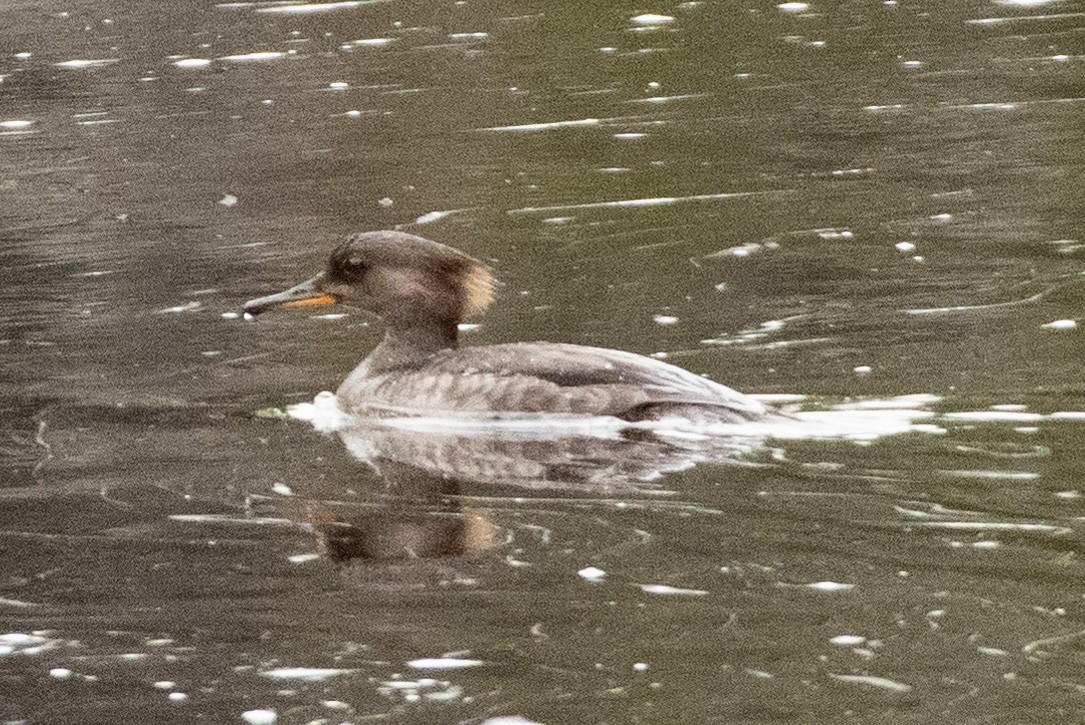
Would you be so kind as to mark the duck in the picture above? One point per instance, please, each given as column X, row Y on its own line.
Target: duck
column 423, row 290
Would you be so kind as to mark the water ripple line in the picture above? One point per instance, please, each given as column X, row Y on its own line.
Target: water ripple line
column 1036, row 644
column 978, row 308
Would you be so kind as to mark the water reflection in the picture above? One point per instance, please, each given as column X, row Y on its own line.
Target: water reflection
column 423, row 475
column 419, row 518
column 627, row 460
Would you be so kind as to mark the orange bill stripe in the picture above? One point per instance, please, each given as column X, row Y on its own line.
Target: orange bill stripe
column 318, row 301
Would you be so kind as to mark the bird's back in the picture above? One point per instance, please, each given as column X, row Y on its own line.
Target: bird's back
column 542, row 378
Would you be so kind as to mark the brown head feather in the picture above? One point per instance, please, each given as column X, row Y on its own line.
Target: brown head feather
column 478, row 289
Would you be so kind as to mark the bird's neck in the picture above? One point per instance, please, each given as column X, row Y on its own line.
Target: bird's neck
column 408, row 344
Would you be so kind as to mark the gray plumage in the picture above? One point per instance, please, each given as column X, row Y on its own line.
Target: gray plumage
column 422, row 290
column 542, row 377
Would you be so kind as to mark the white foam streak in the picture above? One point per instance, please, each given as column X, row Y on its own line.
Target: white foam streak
column 264, row 716
column 306, row 674
column 443, row 663
column 1010, row 416
column 372, row 42
column 192, row 63
column 79, row 63
column 224, row 519
column 547, row 126
column 830, row 586
column 995, row 526
column 985, row 106
column 1023, row 18
column 253, row 57
column 305, row 8
column 995, row 416
column 652, row 19
column 592, row 573
column 638, row 203
column 434, row 216
column 667, row 99
column 895, row 403
column 847, row 640
column 883, row 683
column 994, row 475
column 857, row 425
column 665, row 590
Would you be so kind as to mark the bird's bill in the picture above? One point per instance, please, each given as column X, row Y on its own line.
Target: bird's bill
column 306, row 294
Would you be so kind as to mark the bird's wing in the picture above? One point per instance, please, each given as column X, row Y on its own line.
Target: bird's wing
column 540, row 377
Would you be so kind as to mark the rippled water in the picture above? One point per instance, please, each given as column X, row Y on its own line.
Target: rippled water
column 870, row 213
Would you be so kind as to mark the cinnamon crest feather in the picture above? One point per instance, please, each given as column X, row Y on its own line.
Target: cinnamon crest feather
column 478, row 286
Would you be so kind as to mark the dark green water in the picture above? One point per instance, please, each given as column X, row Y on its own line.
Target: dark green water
column 844, row 203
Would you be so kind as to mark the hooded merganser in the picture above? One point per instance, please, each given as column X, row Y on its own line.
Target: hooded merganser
column 422, row 290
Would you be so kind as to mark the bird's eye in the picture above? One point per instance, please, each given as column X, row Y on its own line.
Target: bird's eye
column 355, row 269
column 347, row 270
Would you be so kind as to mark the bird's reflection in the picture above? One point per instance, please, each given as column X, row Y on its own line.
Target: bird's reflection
column 420, row 518
column 422, row 515
column 628, row 459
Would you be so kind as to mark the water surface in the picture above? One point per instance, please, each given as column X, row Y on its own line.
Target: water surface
column 835, row 204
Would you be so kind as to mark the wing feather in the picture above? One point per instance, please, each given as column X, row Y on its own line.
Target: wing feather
column 544, row 378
